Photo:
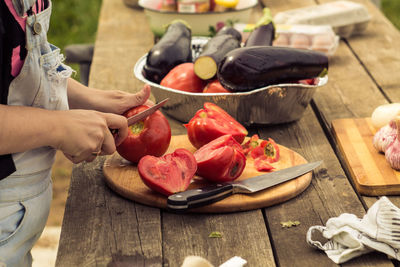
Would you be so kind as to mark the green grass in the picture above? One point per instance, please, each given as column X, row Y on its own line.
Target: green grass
column 74, row 22
column 391, row 9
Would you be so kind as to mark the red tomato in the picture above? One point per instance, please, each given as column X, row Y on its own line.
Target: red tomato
column 212, row 122
column 150, row 136
column 170, row 173
column 182, row 77
column 221, row 160
column 215, row 87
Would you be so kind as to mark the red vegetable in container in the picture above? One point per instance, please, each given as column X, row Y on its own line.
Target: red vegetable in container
column 170, row 173
column 221, row 160
column 212, row 122
column 183, row 78
column 215, row 87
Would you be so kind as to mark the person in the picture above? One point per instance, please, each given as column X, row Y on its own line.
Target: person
column 43, row 110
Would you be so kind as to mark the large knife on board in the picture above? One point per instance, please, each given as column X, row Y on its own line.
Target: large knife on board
column 203, row 196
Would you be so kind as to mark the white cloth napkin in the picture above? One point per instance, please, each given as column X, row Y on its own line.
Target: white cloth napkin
column 349, row 236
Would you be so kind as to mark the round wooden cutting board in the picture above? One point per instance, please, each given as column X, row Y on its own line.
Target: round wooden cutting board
column 123, row 177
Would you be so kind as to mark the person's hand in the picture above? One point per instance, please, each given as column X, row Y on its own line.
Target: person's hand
column 84, row 134
column 109, row 101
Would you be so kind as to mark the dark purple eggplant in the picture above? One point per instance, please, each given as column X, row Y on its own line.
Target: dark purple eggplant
column 231, row 31
column 249, row 68
column 263, row 32
column 172, row 49
column 262, row 35
column 206, row 64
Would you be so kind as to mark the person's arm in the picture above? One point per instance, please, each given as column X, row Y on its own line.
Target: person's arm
column 78, row 133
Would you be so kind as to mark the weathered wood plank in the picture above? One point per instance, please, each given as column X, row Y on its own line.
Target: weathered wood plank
column 243, row 234
column 100, row 227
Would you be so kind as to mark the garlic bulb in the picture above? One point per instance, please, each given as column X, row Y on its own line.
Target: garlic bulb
column 385, row 136
column 392, row 152
column 383, row 114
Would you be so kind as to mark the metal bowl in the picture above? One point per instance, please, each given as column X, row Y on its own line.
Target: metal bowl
column 273, row 104
column 200, row 23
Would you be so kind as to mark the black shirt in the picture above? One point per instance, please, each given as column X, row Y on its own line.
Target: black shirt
column 11, row 36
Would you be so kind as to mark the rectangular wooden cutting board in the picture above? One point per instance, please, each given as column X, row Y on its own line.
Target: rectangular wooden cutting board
column 369, row 170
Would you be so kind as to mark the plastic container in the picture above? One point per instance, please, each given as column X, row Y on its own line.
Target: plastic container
column 314, row 37
column 345, row 17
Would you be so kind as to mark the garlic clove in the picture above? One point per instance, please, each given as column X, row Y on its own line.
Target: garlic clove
column 385, row 136
column 383, row 114
column 392, row 152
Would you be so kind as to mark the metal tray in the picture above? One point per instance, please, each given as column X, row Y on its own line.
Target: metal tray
column 273, row 104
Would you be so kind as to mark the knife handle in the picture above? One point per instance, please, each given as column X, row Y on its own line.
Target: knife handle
column 199, row 197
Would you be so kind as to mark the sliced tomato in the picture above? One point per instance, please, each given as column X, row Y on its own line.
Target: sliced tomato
column 268, row 149
column 212, row 122
column 261, row 164
column 182, row 77
column 170, row 173
column 215, row 87
column 251, row 144
column 150, row 136
column 221, row 160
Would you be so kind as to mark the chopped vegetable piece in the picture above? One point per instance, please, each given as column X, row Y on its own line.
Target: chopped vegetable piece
column 215, row 234
column 289, row 224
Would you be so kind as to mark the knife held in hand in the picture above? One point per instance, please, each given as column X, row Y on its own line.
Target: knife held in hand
column 142, row 115
column 203, row 196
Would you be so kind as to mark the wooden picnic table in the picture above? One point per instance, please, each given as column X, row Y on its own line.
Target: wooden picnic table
column 104, row 229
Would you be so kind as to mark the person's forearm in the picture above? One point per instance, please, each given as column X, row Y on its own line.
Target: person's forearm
column 24, row 128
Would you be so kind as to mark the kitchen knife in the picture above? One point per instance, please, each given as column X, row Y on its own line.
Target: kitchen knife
column 203, row 196
column 142, row 115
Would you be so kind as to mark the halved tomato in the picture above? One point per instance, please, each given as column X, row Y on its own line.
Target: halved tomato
column 221, row 160
column 212, row 122
column 170, row 173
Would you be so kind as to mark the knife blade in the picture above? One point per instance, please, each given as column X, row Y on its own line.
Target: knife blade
column 203, row 196
column 142, row 115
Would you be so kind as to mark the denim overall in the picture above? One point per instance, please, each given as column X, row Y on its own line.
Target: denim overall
column 25, row 195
